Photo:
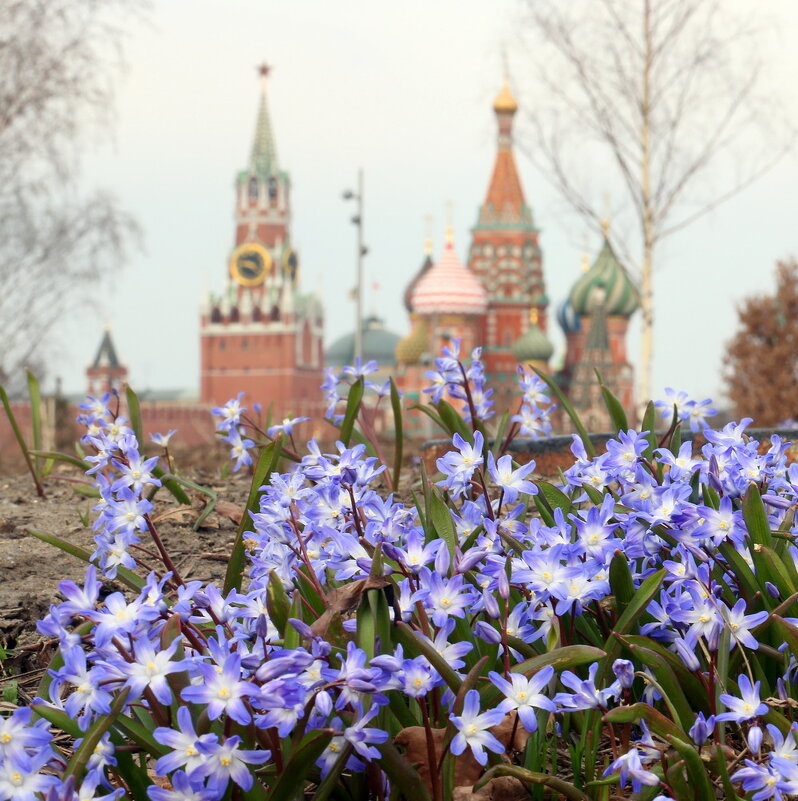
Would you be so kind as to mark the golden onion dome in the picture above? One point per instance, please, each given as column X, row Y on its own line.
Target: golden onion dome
column 505, row 102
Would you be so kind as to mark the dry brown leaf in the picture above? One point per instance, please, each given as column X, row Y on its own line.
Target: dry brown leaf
column 179, row 514
column 232, row 511
column 342, row 600
column 467, row 770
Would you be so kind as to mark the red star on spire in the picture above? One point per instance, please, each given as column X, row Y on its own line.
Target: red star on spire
column 264, row 69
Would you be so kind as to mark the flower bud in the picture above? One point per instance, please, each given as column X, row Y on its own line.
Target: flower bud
column 686, row 654
column 487, row 633
column 324, row 704
column 702, row 728
column 491, row 604
column 442, row 559
column 624, row 671
column 301, row 627
column 755, row 739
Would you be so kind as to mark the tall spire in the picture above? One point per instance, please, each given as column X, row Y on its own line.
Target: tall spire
column 504, row 202
column 263, row 161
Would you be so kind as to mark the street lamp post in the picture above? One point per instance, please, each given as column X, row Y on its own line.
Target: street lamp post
column 357, row 220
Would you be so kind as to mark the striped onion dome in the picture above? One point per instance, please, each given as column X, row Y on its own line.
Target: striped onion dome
column 568, row 318
column 533, row 345
column 449, row 288
column 622, row 297
column 411, row 348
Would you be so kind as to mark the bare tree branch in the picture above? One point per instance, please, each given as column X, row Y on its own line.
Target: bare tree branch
column 657, row 92
column 58, row 62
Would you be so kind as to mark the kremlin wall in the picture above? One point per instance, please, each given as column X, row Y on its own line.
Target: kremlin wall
column 264, row 336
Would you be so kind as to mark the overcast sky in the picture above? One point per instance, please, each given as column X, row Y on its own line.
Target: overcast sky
column 405, row 91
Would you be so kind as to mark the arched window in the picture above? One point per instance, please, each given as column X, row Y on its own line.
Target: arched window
column 253, row 189
column 272, row 189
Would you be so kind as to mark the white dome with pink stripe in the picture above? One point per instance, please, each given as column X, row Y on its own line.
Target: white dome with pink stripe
column 449, row 288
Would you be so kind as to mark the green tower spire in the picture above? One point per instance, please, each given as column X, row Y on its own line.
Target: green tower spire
column 263, row 161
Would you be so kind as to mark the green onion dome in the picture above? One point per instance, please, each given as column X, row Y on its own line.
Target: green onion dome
column 411, row 348
column 533, row 345
column 622, row 297
column 568, row 318
column 378, row 343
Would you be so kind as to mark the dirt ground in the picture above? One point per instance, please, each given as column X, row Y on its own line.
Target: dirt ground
column 30, row 569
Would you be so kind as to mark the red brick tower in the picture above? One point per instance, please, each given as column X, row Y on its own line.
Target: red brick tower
column 261, row 336
column 106, row 373
column 506, row 256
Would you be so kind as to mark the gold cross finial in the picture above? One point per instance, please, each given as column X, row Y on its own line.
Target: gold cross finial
column 428, row 234
column 449, row 225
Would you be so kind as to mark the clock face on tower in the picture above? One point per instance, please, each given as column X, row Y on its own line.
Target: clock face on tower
column 250, row 263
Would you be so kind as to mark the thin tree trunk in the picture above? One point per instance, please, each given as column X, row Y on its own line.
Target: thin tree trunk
column 647, row 221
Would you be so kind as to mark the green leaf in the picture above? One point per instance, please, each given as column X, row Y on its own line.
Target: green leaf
column 442, row 523
column 616, row 412
column 656, row 721
column 756, row 518
column 59, row 719
column 453, row 421
column 124, row 575
column 501, row 430
column 569, row 410
column 172, row 485
column 267, row 463
column 649, row 424
column 296, row 771
column 352, row 408
column 399, row 434
column 134, row 411
column 35, row 416
column 426, row 409
column 621, row 582
column 404, row 777
column 744, row 575
column 631, row 616
column 277, row 603
column 554, row 496
column 21, row 441
column 696, row 771
column 82, row 464
column 93, row 736
column 693, row 688
column 140, row 735
column 544, row 510
column 669, row 684
column 528, row 777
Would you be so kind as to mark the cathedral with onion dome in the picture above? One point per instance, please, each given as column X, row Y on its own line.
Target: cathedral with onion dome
column 498, row 300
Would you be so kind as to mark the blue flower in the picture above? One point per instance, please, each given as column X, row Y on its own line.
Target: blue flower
column 472, row 729
column 745, row 707
column 525, row 695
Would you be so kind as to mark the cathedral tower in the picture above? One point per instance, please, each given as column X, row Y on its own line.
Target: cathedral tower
column 506, row 256
column 261, row 336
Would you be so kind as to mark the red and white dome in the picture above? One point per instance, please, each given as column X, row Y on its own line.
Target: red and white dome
column 449, row 288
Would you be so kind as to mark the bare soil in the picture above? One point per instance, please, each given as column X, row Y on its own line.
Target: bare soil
column 30, row 569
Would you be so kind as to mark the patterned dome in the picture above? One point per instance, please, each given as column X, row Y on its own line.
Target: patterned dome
column 449, row 288
column 533, row 345
column 568, row 318
column 622, row 296
column 411, row 348
column 426, row 266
